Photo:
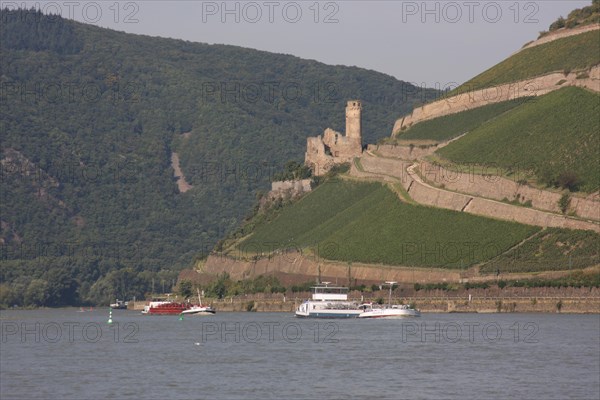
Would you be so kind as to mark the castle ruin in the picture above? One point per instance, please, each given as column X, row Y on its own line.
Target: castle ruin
column 333, row 148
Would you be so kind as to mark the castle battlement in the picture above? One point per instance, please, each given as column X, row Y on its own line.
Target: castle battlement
column 323, row 152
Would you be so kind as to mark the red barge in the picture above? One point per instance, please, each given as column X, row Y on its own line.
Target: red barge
column 165, row 308
column 173, row 308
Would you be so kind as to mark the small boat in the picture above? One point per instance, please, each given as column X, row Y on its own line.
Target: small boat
column 389, row 311
column 119, row 305
column 329, row 302
column 199, row 309
column 396, row 311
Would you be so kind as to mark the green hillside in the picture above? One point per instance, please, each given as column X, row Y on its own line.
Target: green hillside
column 450, row 126
column 365, row 222
column 555, row 135
column 89, row 120
column 566, row 54
column 552, row 249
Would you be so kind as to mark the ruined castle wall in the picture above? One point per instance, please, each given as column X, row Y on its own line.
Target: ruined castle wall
column 315, row 156
column 314, row 148
column 343, row 148
column 345, row 151
column 301, row 185
column 330, row 137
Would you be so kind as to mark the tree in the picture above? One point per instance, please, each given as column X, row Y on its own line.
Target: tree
column 564, row 201
column 124, row 283
column 559, row 23
column 62, row 288
column 185, row 288
column 8, row 297
column 219, row 287
column 293, row 170
column 102, row 156
column 37, row 293
column 568, row 180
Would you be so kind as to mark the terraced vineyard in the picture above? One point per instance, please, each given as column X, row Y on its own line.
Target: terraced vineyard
column 450, row 126
column 556, row 135
column 566, row 54
column 365, row 222
column 553, row 249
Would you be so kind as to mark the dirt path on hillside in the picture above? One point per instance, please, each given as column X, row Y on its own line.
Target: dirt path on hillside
column 182, row 184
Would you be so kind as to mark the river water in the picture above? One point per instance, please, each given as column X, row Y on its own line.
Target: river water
column 68, row 354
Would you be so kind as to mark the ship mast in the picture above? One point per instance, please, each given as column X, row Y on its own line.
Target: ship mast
column 391, row 283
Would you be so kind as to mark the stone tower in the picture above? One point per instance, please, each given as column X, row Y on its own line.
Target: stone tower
column 323, row 152
column 353, row 119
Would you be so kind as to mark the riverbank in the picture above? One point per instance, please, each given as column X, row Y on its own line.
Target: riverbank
column 442, row 304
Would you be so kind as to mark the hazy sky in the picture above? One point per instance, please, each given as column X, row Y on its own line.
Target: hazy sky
column 430, row 42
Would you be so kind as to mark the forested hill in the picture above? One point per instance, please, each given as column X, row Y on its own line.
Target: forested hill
column 90, row 119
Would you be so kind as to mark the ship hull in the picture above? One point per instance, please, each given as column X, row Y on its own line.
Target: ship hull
column 199, row 311
column 327, row 315
column 165, row 308
column 319, row 309
column 390, row 313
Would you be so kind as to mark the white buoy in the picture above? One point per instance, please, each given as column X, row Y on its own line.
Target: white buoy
column 110, row 316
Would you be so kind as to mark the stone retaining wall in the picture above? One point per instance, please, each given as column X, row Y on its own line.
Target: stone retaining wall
column 403, row 152
column 528, row 216
column 498, row 188
column 477, row 98
column 561, row 33
column 295, row 263
column 425, row 194
column 386, row 166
